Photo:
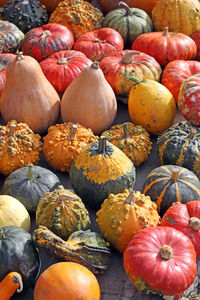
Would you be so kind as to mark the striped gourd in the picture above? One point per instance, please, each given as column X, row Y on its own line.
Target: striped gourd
column 170, row 183
column 179, row 145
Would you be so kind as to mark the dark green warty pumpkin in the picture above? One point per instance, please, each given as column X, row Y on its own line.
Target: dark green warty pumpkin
column 180, row 145
column 170, row 183
column 101, row 169
column 10, row 37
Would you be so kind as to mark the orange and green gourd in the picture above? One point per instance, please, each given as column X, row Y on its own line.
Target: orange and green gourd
column 123, row 215
column 132, row 139
column 19, row 146
column 78, row 16
column 101, row 169
column 63, row 142
column 62, row 212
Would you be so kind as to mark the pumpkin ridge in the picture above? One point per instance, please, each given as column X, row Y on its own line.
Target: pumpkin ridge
column 153, row 182
column 160, row 198
column 190, row 185
column 178, row 196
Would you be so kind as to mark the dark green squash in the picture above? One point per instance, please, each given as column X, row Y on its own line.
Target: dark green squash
column 10, row 37
column 101, row 169
column 25, row 14
column 170, row 183
column 18, row 253
column 28, row 185
column 129, row 22
column 180, row 145
column 84, row 247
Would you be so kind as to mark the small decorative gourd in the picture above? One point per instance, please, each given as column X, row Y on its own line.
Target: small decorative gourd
column 28, row 184
column 78, row 16
column 19, row 146
column 62, row 212
column 63, row 142
column 10, row 284
column 132, row 139
column 100, row 169
column 124, row 214
column 10, row 37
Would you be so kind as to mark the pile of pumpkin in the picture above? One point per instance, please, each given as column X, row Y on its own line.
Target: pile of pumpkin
column 74, row 59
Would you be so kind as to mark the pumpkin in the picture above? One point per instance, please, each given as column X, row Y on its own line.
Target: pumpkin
column 36, row 102
column 18, row 253
column 84, row 247
column 19, row 146
column 195, row 36
column 181, row 16
column 63, row 212
column 78, row 16
column 99, row 43
column 151, row 105
column 5, row 58
column 119, row 70
column 179, row 145
column 185, row 218
column 43, row 41
column 100, row 169
column 89, row 100
column 13, row 213
column 71, row 138
column 168, row 184
column 132, row 139
column 176, row 72
column 10, row 284
column 62, row 67
column 10, row 37
column 124, row 214
column 25, row 14
column 28, row 184
column 159, row 255
column 129, row 22
column 72, row 281
column 188, row 99
column 50, row 4
column 166, row 46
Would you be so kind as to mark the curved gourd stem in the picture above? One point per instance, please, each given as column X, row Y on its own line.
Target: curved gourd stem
column 102, row 144
column 122, row 4
column 19, row 55
column 12, row 129
column 194, row 223
column 96, row 40
column 95, row 65
column 30, row 174
column 72, row 132
column 166, row 252
column 165, row 32
column 131, row 198
column 125, row 128
column 128, row 57
column 45, row 34
column 18, row 279
column 64, row 60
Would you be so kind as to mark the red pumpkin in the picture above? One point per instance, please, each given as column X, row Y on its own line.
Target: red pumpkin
column 196, row 38
column 43, row 41
column 5, row 58
column 120, row 68
column 185, row 218
column 189, row 99
column 166, row 46
column 62, row 67
column 99, row 43
column 176, row 72
column 160, row 259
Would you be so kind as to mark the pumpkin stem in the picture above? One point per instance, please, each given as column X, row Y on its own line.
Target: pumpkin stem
column 102, row 144
column 72, row 132
column 166, row 252
column 131, row 198
column 128, row 57
column 46, row 33
column 17, row 279
column 12, row 129
column 193, row 132
column 96, row 40
column 20, row 55
column 194, row 223
column 64, row 60
column 165, row 32
column 95, row 65
column 126, row 7
column 125, row 128
column 30, row 174
column 174, row 175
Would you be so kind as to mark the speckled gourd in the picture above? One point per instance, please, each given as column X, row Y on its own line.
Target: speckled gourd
column 63, row 212
column 124, row 214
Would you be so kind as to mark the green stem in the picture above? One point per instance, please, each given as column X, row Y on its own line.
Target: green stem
column 122, row 4
column 30, row 173
column 125, row 128
column 102, row 144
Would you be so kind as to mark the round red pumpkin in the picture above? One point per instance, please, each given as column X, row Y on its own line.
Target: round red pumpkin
column 99, row 43
column 5, row 58
column 62, row 67
column 196, row 39
column 43, row 41
column 166, row 46
column 160, row 259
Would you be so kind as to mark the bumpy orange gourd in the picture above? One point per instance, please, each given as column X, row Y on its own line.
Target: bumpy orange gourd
column 124, row 214
column 132, row 139
column 19, row 146
column 10, row 284
column 63, row 142
column 78, row 16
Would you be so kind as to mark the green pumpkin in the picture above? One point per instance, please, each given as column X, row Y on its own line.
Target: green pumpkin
column 28, row 184
column 180, row 145
column 129, row 22
column 99, row 170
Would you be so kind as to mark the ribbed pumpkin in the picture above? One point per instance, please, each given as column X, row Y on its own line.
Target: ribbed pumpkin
column 124, row 214
column 132, row 139
column 10, row 37
column 129, row 22
column 168, row 184
column 101, row 169
column 71, row 138
column 19, row 146
column 62, row 212
column 179, row 145
column 178, row 15
column 78, row 16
